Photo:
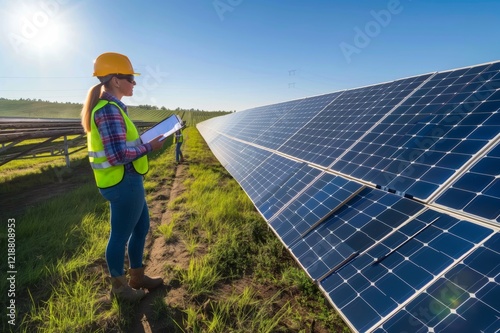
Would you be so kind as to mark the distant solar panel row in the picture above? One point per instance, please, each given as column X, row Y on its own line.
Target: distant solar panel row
column 388, row 196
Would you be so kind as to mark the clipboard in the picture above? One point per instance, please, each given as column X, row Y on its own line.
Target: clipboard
column 166, row 127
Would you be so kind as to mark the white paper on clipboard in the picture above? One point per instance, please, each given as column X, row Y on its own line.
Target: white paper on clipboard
column 165, row 127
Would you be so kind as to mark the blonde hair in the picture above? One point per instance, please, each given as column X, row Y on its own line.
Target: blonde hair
column 90, row 102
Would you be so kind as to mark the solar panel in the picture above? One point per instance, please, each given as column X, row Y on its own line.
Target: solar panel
column 429, row 136
column 289, row 189
column 382, row 280
column 477, row 191
column 259, row 119
column 358, row 225
column 313, row 205
column 264, row 179
column 388, row 196
column 465, row 299
column 347, row 118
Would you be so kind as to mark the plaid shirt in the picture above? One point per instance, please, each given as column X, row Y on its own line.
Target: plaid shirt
column 113, row 132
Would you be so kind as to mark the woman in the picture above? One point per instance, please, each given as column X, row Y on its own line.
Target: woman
column 178, row 140
column 118, row 159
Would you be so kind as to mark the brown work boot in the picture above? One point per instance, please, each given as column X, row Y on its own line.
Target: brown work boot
column 139, row 280
column 121, row 290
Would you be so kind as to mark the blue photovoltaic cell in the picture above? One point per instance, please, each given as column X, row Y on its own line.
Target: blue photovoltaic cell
column 239, row 165
column 376, row 222
column 208, row 133
column 316, row 203
column 359, row 224
column 465, row 299
column 265, row 178
column 345, row 120
column 231, row 122
column 419, row 146
column 222, row 148
column 478, row 190
column 287, row 191
column 410, row 264
column 293, row 121
column 258, row 120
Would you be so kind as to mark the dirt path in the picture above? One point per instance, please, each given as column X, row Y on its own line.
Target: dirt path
column 160, row 257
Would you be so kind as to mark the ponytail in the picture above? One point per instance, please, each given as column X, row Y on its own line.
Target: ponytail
column 90, row 102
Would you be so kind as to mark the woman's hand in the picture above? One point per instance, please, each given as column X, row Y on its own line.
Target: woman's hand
column 157, row 143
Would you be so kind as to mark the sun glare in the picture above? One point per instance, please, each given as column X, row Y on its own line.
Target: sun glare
column 36, row 27
column 49, row 38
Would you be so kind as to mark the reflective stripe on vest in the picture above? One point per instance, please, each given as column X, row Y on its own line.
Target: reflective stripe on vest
column 107, row 175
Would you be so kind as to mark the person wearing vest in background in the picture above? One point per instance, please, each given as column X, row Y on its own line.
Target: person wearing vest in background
column 118, row 159
column 178, row 139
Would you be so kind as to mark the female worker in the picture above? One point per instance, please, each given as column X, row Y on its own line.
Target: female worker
column 118, row 158
column 178, row 140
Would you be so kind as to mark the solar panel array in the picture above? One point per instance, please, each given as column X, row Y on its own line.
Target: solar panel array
column 388, row 196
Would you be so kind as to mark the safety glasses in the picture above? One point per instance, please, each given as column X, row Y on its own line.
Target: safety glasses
column 129, row 78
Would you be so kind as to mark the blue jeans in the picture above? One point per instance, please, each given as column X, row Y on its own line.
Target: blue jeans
column 178, row 152
column 129, row 223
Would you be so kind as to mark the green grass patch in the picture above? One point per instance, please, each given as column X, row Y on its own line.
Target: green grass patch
column 245, row 312
column 71, row 307
column 200, row 277
column 54, row 241
column 167, row 232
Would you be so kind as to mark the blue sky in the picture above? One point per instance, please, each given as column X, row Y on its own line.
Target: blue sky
column 237, row 54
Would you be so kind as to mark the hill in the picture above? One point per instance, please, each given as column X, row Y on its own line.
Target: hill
column 27, row 108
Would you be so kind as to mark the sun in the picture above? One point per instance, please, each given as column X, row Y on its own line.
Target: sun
column 49, row 38
column 35, row 29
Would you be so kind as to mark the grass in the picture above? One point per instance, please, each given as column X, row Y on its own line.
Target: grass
column 20, row 175
column 71, row 306
column 200, row 277
column 167, row 231
column 240, row 278
column 244, row 311
column 56, row 243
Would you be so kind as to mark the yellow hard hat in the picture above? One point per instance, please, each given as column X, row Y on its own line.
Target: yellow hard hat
column 113, row 63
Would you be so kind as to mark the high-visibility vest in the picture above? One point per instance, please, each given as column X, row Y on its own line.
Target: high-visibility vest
column 178, row 137
column 107, row 175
